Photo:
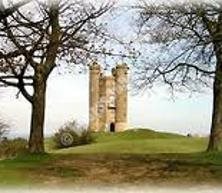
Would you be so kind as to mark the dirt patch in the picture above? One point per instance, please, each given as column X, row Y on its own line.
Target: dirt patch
column 125, row 169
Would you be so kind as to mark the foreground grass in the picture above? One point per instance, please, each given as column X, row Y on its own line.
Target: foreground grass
column 17, row 171
column 136, row 156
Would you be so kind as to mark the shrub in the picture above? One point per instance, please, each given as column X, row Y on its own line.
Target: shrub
column 3, row 130
column 86, row 137
column 70, row 135
column 13, row 147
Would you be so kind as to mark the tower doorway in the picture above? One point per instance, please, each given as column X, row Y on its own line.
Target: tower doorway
column 112, row 127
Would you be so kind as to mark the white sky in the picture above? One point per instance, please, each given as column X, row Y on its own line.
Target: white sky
column 67, row 99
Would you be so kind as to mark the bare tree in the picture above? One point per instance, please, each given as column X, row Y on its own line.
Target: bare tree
column 5, row 12
column 35, row 42
column 189, row 39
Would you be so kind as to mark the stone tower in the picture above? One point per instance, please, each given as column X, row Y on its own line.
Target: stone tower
column 108, row 99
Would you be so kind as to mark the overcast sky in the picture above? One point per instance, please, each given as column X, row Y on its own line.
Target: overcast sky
column 67, row 99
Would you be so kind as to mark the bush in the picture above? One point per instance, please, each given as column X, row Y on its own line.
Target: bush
column 71, row 134
column 85, row 137
column 13, row 147
column 3, row 130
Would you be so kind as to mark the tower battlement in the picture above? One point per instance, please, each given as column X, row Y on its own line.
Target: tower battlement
column 108, row 99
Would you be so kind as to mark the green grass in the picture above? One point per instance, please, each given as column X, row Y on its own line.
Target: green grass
column 16, row 171
column 130, row 153
column 137, row 141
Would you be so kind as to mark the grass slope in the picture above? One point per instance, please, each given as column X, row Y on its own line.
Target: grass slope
column 138, row 141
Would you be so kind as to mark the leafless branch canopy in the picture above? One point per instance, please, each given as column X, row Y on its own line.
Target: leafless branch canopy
column 5, row 12
column 31, row 37
column 185, row 37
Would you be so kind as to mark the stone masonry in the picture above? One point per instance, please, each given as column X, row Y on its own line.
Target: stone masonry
column 108, row 99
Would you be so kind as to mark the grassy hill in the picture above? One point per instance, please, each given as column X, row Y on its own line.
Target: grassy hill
column 138, row 156
column 137, row 141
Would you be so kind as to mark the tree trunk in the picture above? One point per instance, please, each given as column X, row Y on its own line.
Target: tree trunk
column 216, row 127
column 36, row 140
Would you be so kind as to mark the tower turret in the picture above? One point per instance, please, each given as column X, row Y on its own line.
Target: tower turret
column 121, row 93
column 95, row 71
